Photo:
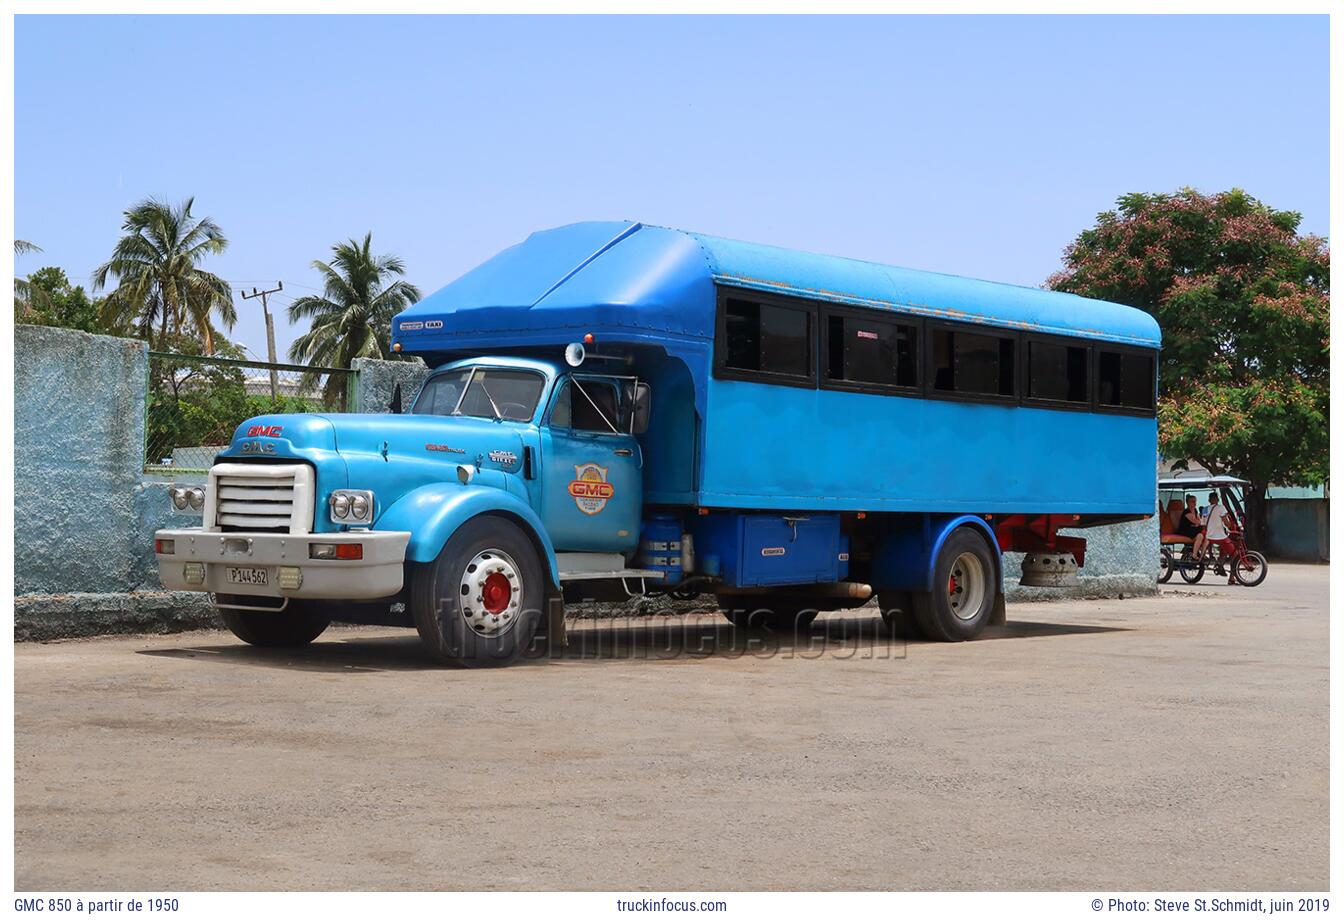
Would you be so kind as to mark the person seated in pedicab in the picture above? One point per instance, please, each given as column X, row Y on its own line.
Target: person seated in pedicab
column 1170, row 522
column 1190, row 524
column 1217, row 527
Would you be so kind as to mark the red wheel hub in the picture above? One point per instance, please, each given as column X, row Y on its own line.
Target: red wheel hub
column 495, row 593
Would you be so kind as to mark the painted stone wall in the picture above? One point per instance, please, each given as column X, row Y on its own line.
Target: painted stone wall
column 377, row 379
column 1299, row 529
column 85, row 512
column 84, row 515
column 1121, row 560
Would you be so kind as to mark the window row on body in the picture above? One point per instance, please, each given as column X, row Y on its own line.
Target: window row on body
column 784, row 342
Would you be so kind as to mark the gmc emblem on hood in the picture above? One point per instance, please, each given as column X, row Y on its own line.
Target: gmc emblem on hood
column 265, row 431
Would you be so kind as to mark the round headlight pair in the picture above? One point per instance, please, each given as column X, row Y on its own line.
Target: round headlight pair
column 350, row 506
column 185, row 497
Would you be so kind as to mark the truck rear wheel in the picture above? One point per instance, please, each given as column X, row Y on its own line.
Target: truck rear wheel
column 298, row 624
column 775, row 612
column 965, row 588
column 479, row 603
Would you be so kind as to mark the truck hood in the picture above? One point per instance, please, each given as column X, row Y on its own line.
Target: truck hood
column 419, row 437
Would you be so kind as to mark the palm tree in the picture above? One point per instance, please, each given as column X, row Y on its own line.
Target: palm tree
column 352, row 318
column 23, row 291
column 159, row 278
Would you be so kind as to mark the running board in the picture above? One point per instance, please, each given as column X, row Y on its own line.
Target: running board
column 590, row 566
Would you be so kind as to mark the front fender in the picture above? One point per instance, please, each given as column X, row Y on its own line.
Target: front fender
column 906, row 553
column 433, row 512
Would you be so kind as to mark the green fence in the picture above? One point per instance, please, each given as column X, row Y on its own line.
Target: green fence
column 196, row 402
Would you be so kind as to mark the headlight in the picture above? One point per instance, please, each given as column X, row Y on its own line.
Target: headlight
column 185, row 497
column 359, row 507
column 352, row 506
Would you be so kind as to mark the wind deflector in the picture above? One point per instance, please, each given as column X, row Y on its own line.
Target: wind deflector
column 522, row 275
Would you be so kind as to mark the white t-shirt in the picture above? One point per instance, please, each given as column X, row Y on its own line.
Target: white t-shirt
column 1214, row 528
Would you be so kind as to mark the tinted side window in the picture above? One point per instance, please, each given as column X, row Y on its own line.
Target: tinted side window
column 767, row 338
column 1057, row 371
column 1125, row 379
column 742, row 335
column 863, row 350
column 972, row 363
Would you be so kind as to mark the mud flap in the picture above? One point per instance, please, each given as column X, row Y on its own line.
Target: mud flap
column 553, row 624
column 999, row 615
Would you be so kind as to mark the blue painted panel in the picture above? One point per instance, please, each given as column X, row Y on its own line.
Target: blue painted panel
column 433, row 512
column 604, row 517
column 766, row 549
column 789, row 447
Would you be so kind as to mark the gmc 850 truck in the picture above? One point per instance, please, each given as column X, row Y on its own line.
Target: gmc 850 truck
column 616, row 406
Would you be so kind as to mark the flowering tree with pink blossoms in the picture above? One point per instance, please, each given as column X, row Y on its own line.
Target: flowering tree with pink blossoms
column 1244, row 305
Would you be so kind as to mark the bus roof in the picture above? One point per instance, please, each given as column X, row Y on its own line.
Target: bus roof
column 623, row 280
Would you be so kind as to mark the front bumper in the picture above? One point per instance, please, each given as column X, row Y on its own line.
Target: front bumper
column 201, row 560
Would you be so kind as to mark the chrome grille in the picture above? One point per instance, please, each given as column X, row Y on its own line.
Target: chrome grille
column 264, row 497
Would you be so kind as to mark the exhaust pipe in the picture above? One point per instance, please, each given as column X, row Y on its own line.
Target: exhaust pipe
column 852, row 590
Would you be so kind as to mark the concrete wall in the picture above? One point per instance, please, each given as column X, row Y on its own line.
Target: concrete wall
column 1299, row 529
column 84, row 515
column 1121, row 561
column 376, row 380
column 85, row 512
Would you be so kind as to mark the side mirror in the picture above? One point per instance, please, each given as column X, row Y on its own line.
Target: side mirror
column 395, row 406
column 640, row 409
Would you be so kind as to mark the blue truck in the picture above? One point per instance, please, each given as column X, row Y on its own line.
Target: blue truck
column 618, row 407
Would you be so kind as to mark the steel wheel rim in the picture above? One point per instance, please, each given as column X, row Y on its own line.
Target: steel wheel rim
column 491, row 593
column 966, row 586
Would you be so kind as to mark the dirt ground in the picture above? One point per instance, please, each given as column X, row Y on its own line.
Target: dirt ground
column 1176, row 742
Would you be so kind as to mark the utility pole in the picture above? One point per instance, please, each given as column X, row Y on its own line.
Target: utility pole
column 270, row 333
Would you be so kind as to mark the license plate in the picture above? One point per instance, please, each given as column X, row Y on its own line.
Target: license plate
column 241, row 576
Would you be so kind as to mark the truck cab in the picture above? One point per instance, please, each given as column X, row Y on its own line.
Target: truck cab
column 311, row 518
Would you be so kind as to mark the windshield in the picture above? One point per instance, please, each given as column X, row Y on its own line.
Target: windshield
column 481, row 392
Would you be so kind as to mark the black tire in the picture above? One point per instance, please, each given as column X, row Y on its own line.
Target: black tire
column 773, row 612
column 1166, row 567
column 298, row 624
column 954, row 615
column 1251, row 569
column 1191, row 572
column 437, row 588
column 898, row 613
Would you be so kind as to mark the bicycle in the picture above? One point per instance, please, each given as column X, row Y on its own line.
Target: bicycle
column 1248, row 567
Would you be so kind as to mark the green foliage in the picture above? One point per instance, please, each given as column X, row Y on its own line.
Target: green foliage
column 1243, row 302
column 200, row 402
column 22, row 294
column 352, row 318
column 162, row 292
column 50, row 300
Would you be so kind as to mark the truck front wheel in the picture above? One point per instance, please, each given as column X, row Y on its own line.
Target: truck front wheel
column 298, row 624
column 965, row 587
column 479, row 603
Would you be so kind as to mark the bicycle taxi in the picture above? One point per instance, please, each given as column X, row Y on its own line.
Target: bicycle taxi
column 1247, row 566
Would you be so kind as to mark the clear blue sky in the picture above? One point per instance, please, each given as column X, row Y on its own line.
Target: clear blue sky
column 972, row 145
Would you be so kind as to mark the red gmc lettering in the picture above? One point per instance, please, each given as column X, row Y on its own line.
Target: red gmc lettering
column 265, row 431
column 582, row 489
